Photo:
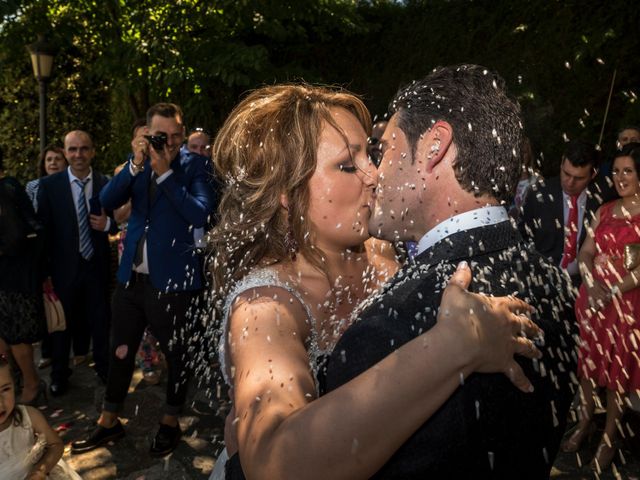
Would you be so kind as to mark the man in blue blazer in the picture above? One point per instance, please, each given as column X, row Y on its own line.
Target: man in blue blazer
column 160, row 272
column 77, row 229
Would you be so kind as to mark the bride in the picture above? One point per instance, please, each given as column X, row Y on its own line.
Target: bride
column 292, row 260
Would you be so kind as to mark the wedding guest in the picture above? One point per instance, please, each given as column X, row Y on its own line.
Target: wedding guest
column 149, row 357
column 291, row 262
column 160, row 275
column 21, row 315
column 31, row 449
column 528, row 177
column 555, row 211
column 627, row 134
column 608, row 308
column 77, row 229
column 604, row 180
column 51, row 160
column 373, row 145
column 199, row 142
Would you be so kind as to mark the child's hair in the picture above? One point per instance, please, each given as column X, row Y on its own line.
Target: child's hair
column 16, row 414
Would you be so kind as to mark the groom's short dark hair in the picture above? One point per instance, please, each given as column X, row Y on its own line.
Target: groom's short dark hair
column 486, row 122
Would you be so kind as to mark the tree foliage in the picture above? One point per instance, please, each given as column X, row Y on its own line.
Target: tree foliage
column 116, row 57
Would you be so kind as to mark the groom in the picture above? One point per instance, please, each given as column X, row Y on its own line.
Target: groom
column 451, row 160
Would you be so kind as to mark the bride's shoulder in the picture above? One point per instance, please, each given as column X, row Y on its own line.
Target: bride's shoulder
column 266, row 289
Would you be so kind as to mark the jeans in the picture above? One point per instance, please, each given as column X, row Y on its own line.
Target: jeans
column 134, row 307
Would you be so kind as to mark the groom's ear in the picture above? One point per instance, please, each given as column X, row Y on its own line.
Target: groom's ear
column 436, row 143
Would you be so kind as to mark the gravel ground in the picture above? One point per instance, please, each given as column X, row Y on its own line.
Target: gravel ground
column 202, row 422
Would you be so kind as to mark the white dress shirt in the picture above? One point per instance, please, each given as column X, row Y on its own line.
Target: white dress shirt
column 88, row 193
column 572, row 268
column 479, row 217
column 144, row 266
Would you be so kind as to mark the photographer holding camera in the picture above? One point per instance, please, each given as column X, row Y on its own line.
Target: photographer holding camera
column 160, row 272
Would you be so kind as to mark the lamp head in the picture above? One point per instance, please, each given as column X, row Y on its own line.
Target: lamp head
column 42, row 53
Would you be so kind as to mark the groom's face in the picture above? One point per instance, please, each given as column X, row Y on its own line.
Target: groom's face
column 400, row 188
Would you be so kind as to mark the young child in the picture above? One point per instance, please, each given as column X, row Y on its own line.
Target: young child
column 29, row 448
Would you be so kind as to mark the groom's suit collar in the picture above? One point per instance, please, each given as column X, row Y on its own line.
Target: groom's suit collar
column 469, row 243
column 487, row 215
column 459, row 246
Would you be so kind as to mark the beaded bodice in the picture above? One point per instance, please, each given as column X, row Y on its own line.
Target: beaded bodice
column 268, row 277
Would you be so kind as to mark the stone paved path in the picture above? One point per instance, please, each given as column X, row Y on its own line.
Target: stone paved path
column 76, row 412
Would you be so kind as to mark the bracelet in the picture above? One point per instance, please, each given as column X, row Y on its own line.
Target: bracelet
column 615, row 290
column 137, row 168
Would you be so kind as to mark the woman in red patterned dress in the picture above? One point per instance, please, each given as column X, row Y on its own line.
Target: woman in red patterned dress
column 608, row 308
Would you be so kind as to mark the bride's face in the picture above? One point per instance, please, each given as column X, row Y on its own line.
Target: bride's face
column 342, row 186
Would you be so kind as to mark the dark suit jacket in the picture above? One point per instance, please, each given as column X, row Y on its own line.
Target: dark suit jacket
column 183, row 201
column 542, row 218
column 487, row 428
column 57, row 212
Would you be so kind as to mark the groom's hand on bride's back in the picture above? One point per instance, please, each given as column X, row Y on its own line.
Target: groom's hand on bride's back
column 493, row 328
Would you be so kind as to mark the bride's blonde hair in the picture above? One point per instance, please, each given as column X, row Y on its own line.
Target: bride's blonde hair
column 266, row 150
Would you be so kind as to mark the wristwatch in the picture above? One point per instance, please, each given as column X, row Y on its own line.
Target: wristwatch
column 137, row 168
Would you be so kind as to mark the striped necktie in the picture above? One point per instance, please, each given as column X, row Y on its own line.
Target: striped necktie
column 86, row 247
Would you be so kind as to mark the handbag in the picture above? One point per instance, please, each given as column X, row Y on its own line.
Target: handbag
column 631, row 256
column 56, row 321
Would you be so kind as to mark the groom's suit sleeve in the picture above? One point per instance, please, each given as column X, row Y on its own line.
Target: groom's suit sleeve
column 363, row 345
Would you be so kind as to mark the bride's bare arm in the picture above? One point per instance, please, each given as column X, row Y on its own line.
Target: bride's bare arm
column 284, row 431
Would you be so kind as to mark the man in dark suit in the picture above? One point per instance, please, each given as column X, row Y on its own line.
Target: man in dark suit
column 450, row 161
column 557, row 212
column 160, row 271
column 77, row 231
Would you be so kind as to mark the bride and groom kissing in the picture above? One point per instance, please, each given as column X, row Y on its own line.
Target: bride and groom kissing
column 398, row 371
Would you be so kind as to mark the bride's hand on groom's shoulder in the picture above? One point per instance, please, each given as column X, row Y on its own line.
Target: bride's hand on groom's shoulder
column 494, row 329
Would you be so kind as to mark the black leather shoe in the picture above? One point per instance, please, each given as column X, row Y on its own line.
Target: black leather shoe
column 98, row 437
column 58, row 388
column 166, row 441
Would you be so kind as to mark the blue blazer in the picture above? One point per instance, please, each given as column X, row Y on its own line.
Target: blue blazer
column 57, row 213
column 183, row 201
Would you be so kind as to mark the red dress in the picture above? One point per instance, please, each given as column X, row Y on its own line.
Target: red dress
column 610, row 336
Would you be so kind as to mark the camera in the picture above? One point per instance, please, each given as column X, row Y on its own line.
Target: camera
column 157, row 141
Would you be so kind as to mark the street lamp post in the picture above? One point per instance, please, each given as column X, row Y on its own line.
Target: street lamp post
column 42, row 54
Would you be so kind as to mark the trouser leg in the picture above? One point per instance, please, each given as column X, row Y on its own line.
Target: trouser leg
column 169, row 318
column 127, row 326
column 97, row 319
column 45, row 347
column 80, row 337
